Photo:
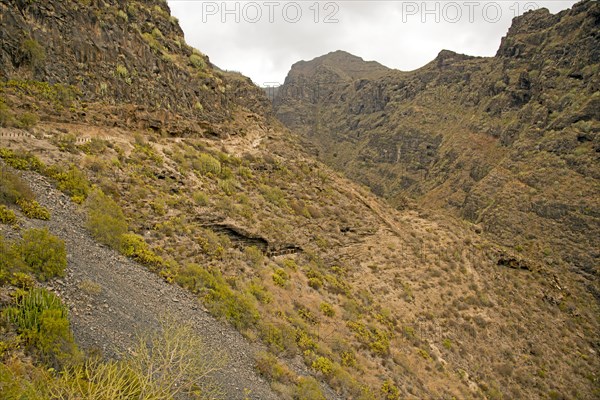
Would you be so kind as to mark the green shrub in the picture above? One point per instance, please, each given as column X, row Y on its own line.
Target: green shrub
column 327, row 309
column 13, row 188
column 152, row 42
column 207, row 164
column 315, row 283
column 323, row 365
column 43, row 253
column 27, row 120
column 307, row 315
column 289, row 263
column 221, row 300
column 33, row 209
column 280, row 277
column 121, row 71
column 7, row 216
column 337, row 285
column 447, row 343
column 389, row 391
column 374, row 338
column 348, row 358
column 254, row 256
column 23, row 280
column 274, row 195
column 33, row 52
column 67, row 143
column 259, row 292
column 42, row 320
column 315, row 279
column 59, row 95
column 7, row 118
column 105, row 220
column 269, row 366
column 135, row 246
column 10, row 261
column 213, row 244
column 20, row 379
column 70, row 180
column 21, row 160
column 200, row 198
column 280, row 337
column 197, row 62
column 308, row 388
column 123, row 15
column 304, row 340
column 228, row 186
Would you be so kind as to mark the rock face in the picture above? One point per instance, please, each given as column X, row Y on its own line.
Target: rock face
column 114, row 52
column 510, row 142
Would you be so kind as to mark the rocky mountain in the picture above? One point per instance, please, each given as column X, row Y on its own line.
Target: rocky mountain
column 133, row 54
column 509, row 142
column 183, row 170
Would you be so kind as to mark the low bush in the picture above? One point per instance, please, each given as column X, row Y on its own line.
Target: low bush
column 228, row 186
column 260, row 293
column 7, row 118
column 21, row 379
column 327, row 309
column 213, row 244
column 105, row 220
column 21, row 160
column 7, row 216
column 198, row 62
column 280, row 277
column 70, row 180
column 42, row 321
column 308, row 388
column 323, row 365
column 200, row 198
column 239, row 308
column 374, row 338
column 13, row 188
column 274, row 195
column 269, row 366
column 389, row 391
column 43, row 253
column 10, row 261
column 207, row 164
column 33, row 209
column 27, row 120
column 135, row 246
column 254, row 256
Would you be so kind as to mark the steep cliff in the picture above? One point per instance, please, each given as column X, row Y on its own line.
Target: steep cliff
column 107, row 54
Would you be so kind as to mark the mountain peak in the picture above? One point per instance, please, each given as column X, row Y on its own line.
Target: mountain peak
column 447, row 57
column 345, row 65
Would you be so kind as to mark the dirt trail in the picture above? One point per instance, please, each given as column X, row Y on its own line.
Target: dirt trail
column 132, row 299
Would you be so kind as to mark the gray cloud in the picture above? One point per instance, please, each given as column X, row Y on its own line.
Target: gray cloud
column 400, row 34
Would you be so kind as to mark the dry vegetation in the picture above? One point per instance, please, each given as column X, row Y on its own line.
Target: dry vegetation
column 374, row 301
column 377, row 303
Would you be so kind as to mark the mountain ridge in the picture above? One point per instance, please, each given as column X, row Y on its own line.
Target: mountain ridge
column 412, row 134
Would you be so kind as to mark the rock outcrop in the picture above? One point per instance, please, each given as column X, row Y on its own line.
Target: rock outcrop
column 111, row 53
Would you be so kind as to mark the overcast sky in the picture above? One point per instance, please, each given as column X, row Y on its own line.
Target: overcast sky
column 262, row 39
